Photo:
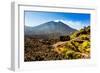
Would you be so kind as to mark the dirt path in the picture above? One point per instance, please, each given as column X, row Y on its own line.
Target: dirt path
column 59, row 43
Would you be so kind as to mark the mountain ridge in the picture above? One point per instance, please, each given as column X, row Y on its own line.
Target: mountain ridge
column 50, row 28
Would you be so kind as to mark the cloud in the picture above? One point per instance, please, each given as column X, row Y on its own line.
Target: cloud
column 74, row 24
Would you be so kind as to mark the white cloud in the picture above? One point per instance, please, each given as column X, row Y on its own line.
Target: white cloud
column 57, row 20
column 74, row 24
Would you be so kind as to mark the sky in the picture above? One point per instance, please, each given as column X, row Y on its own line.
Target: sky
column 74, row 20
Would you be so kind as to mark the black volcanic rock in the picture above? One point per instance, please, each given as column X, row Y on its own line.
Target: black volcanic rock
column 49, row 29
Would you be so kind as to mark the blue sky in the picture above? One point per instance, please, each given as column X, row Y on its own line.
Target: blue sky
column 74, row 20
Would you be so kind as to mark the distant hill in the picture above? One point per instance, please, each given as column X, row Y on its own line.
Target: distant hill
column 49, row 29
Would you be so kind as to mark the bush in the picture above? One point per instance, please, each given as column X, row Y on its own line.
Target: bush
column 74, row 35
column 84, row 47
column 64, row 38
column 84, row 37
column 86, row 44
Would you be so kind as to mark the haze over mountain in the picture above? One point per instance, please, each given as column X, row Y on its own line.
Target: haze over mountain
column 49, row 29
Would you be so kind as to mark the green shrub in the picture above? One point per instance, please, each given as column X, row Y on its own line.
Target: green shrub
column 86, row 44
column 74, row 35
column 84, row 37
